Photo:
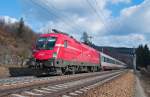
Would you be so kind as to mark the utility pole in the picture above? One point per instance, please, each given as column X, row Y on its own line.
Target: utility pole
column 134, row 60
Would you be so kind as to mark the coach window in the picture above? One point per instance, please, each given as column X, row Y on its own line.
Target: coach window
column 103, row 59
column 65, row 43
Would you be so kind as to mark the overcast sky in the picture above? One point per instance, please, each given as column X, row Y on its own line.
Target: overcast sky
column 109, row 22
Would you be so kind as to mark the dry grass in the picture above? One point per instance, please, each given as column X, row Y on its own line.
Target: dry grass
column 120, row 87
column 4, row 72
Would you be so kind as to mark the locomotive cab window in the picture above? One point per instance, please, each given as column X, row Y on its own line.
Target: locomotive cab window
column 65, row 43
column 46, row 43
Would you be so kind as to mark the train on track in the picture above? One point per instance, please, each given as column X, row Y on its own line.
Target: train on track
column 60, row 53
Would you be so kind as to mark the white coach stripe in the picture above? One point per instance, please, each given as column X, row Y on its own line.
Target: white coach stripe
column 58, row 51
column 73, row 48
column 70, row 47
column 60, row 45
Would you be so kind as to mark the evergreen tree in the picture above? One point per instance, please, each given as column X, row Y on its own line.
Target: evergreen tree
column 142, row 56
column 146, row 56
column 21, row 27
column 86, row 39
column 139, row 56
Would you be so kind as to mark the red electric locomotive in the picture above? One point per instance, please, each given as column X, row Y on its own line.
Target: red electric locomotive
column 60, row 53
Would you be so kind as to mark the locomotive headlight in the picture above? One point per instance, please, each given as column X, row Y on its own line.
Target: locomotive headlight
column 54, row 55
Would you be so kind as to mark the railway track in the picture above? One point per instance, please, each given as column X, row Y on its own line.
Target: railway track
column 57, row 86
column 15, row 79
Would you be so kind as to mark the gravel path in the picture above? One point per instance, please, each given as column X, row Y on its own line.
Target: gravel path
column 139, row 91
column 123, row 86
column 143, row 78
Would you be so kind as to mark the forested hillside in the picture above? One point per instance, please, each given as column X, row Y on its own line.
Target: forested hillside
column 16, row 40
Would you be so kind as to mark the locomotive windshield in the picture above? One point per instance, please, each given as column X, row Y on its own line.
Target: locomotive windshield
column 46, row 43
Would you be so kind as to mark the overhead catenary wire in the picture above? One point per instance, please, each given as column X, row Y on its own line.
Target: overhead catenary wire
column 49, row 12
column 103, row 16
column 98, row 15
column 58, row 17
column 62, row 14
column 110, row 22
